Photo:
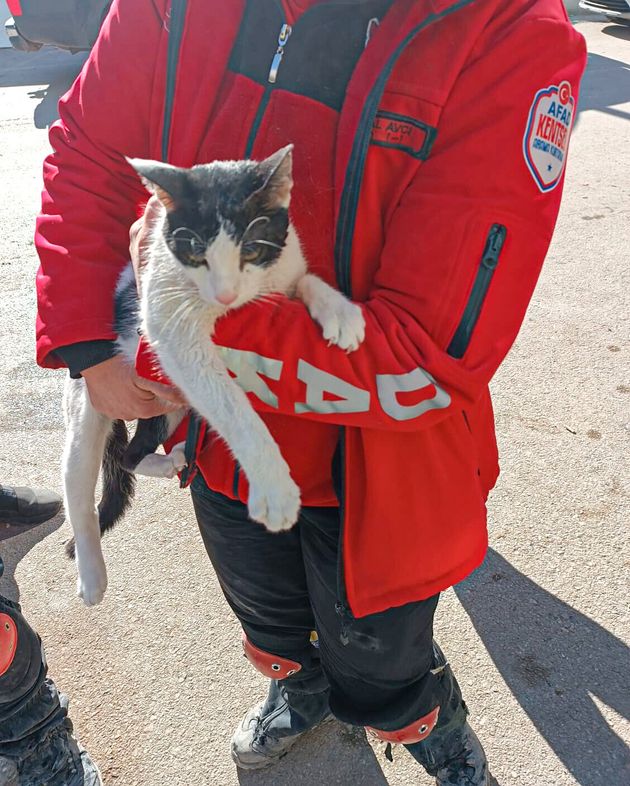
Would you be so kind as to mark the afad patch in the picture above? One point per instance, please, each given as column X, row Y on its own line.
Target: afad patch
column 546, row 138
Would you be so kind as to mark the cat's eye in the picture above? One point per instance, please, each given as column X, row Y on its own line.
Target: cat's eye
column 189, row 246
column 250, row 253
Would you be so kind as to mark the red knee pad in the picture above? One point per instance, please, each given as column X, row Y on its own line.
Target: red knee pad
column 272, row 666
column 8, row 642
column 415, row 732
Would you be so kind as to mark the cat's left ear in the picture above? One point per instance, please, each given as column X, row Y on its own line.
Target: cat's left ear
column 165, row 181
column 278, row 173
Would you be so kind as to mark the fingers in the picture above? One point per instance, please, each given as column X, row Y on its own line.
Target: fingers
column 135, row 409
column 152, row 209
column 166, row 392
column 139, row 234
column 152, row 409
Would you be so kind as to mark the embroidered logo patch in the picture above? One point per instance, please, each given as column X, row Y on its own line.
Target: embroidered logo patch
column 547, row 134
column 403, row 133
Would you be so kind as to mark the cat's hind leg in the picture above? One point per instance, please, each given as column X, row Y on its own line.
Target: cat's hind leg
column 342, row 320
column 86, row 434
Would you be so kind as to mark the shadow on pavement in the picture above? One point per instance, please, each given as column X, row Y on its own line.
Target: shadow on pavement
column 618, row 31
column 15, row 543
column 606, row 84
column 50, row 67
column 554, row 659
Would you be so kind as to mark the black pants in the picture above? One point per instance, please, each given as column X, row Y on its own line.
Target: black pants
column 283, row 586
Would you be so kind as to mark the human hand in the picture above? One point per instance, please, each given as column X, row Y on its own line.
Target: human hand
column 117, row 392
column 140, row 236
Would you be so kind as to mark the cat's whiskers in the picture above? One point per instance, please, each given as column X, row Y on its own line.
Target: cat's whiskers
column 258, row 219
column 261, row 242
column 181, row 312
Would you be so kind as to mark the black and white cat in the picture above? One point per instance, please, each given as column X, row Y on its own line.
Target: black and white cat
column 223, row 239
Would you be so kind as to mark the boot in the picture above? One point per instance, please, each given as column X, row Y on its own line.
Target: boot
column 37, row 747
column 49, row 754
column 270, row 729
column 454, row 756
column 451, row 752
column 22, row 506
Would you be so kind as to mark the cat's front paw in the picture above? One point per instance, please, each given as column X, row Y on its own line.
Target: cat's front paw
column 274, row 502
column 341, row 320
column 92, row 579
column 91, row 589
column 344, row 325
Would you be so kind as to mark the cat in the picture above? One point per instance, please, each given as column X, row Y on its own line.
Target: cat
column 223, row 238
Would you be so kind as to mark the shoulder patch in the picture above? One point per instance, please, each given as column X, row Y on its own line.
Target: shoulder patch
column 547, row 134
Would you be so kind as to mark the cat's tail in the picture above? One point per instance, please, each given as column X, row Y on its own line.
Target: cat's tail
column 119, row 485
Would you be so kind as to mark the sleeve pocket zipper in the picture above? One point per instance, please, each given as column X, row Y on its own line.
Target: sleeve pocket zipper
column 487, row 266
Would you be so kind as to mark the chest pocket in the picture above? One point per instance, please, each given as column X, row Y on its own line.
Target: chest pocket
column 403, row 133
column 402, row 137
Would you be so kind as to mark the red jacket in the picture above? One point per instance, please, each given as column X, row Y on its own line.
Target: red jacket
column 448, row 169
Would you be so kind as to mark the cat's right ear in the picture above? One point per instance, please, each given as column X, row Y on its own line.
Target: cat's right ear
column 163, row 180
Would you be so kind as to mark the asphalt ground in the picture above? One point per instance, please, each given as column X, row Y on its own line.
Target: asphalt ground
column 538, row 636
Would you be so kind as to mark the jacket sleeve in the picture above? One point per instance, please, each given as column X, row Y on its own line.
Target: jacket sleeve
column 90, row 193
column 477, row 178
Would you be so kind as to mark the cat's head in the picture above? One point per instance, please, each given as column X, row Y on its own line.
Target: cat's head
column 225, row 223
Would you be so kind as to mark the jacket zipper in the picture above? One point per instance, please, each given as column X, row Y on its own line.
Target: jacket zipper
column 354, row 174
column 283, row 38
column 176, row 30
column 343, row 249
column 342, row 607
column 489, row 260
column 177, row 20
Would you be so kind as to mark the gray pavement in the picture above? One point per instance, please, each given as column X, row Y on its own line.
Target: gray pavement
column 538, row 635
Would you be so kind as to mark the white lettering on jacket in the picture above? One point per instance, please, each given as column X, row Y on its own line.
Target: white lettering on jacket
column 388, row 385
column 318, row 382
column 249, row 369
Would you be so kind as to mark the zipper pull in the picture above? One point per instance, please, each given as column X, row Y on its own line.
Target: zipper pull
column 285, row 32
column 494, row 246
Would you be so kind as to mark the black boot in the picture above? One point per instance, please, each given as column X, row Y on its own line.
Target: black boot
column 452, row 752
column 270, row 729
column 23, row 506
column 36, row 741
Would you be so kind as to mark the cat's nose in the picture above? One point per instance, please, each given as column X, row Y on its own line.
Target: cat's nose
column 227, row 297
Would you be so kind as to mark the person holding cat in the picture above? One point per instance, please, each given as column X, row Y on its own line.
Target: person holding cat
column 430, row 142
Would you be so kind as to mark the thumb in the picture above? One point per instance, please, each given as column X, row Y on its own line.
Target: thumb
column 166, row 392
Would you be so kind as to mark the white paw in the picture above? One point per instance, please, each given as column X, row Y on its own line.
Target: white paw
column 177, row 458
column 91, row 570
column 341, row 320
column 274, row 502
column 91, row 585
column 157, row 465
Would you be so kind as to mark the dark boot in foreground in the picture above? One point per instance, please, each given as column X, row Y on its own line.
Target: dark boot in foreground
column 36, row 742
